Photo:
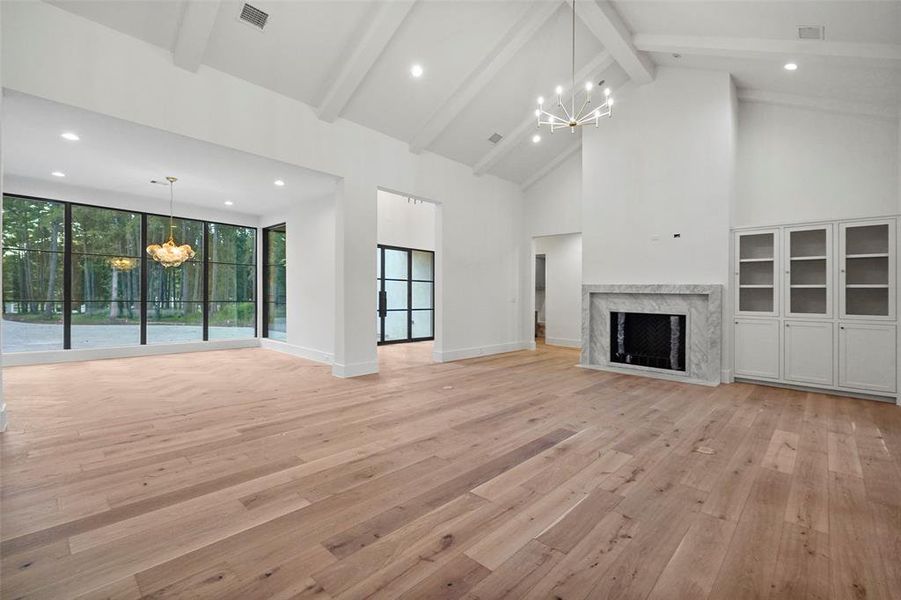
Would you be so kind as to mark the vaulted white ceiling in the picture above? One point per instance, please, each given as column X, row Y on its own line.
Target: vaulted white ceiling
column 486, row 61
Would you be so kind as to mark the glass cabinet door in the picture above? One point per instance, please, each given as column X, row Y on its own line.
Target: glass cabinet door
column 756, row 277
column 808, row 271
column 867, row 270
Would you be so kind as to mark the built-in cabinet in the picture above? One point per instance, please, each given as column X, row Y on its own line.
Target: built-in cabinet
column 814, row 305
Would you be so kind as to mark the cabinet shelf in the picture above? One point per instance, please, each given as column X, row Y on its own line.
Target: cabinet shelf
column 867, row 286
column 809, row 286
column 822, row 257
column 756, row 286
column 871, row 255
column 755, row 260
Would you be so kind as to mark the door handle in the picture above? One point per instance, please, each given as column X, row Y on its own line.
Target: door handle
column 383, row 303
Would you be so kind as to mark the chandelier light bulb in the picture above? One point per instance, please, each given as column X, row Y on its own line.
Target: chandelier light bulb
column 536, row 138
column 540, row 100
column 791, row 67
column 588, row 86
column 609, row 100
column 559, row 90
column 606, row 91
column 416, row 71
column 537, row 112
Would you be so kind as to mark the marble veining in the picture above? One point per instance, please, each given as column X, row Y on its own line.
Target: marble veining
column 702, row 305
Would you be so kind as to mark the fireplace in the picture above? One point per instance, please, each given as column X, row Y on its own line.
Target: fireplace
column 698, row 312
column 648, row 340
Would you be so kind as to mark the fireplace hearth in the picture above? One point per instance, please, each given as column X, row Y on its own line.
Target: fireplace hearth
column 648, row 340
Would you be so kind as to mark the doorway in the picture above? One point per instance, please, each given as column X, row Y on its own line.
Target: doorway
column 405, row 309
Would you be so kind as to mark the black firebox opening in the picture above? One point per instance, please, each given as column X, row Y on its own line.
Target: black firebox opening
column 648, row 340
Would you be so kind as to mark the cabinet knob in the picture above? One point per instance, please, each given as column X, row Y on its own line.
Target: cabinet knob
column 787, row 325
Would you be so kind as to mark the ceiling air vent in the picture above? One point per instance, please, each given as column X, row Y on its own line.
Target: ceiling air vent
column 812, row 32
column 495, row 138
column 254, row 16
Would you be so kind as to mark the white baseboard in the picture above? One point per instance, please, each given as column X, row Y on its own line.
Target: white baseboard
column 3, row 420
column 18, row 359
column 726, row 375
column 307, row 353
column 462, row 353
column 568, row 343
column 355, row 369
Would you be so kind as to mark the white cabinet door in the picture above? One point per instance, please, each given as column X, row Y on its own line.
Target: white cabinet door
column 757, row 272
column 866, row 356
column 807, row 275
column 808, row 352
column 757, row 348
column 866, row 284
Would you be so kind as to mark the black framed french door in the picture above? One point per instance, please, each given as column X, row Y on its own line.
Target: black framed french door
column 405, row 309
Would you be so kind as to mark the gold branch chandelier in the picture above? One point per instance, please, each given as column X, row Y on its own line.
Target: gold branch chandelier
column 560, row 116
column 169, row 254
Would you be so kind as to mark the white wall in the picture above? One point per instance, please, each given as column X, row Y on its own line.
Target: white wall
column 46, row 51
column 310, row 257
column 563, row 288
column 14, row 184
column 796, row 164
column 663, row 165
column 553, row 204
column 403, row 223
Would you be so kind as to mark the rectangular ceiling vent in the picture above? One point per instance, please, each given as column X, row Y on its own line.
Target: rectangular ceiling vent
column 495, row 138
column 254, row 16
column 812, row 32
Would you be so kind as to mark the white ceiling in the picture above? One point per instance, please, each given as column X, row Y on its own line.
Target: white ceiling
column 122, row 157
column 307, row 44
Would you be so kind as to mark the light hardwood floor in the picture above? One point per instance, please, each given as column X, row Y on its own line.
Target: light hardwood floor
column 249, row 474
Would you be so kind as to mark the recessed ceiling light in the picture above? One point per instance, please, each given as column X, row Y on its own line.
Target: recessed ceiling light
column 228, row 202
column 536, row 138
column 279, row 182
column 790, row 67
column 416, row 71
column 58, row 174
column 72, row 137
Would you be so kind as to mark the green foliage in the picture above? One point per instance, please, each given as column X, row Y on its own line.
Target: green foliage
column 34, row 256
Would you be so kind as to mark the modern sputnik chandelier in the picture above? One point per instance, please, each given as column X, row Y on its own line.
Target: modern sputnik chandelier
column 561, row 116
column 168, row 254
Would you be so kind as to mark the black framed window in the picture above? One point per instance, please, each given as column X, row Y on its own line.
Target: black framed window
column 77, row 276
column 175, row 306
column 232, row 275
column 405, row 310
column 34, row 235
column 105, row 295
column 275, row 290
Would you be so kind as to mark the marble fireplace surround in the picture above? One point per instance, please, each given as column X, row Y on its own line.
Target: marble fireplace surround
column 701, row 304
